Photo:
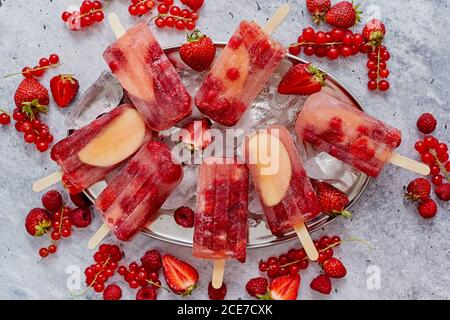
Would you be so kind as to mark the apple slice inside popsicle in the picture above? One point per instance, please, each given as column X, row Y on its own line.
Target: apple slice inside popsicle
column 116, row 142
column 272, row 166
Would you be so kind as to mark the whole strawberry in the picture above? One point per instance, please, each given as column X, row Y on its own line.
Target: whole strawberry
column 64, row 89
column 334, row 268
column 322, row 284
column 195, row 5
column 343, row 15
column 302, row 79
column 217, row 294
column 418, row 190
column 257, row 287
column 443, row 192
column 198, row 52
column 426, row 123
column 332, row 200
column 373, row 32
column 38, row 222
column 318, row 9
column 32, row 97
column 428, row 209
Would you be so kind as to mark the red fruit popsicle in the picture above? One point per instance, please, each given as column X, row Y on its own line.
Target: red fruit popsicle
column 149, row 78
column 137, row 193
column 95, row 150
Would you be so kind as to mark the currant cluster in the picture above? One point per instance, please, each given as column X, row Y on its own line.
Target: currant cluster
column 138, row 276
column 334, row 44
column 435, row 154
column 296, row 259
column 5, row 118
column 170, row 16
column 90, row 13
column 61, row 227
column 34, row 130
column 38, row 71
column 377, row 65
column 106, row 262
column 140, row 7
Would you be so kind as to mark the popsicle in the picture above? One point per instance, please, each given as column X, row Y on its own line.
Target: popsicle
column 90, row 153
column 137, row 193
column 221, row 228
column 147, row 75
column 241, row 71
column 285, row 192
column 351, row 135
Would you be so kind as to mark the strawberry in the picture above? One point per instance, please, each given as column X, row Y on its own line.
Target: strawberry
column 257, row 287
column 373, row 32
column 428, row 209
column 302, row 79
column 198, row 52
column 418, row 190
column 64, row 89
column 343, row 15
column 426, row 123
column 195, row 5
column 332, row 200
column 443, row 192
column 322, row 284
column 181, row 277
column 283, row 288
column 334, row 268
column 318, row 9
column 196, row 135
column 38, row 222
column 32, row 97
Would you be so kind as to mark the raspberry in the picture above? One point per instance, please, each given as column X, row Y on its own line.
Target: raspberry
column 217, row 294
column 146, row 293
column 257, row 286
column 428, row 209
column 184, row 217
column 52, row 201
column 321, row 284
column 80, row 200
column 152, row 261
column 426, row 123
column 443, row 192
column 112, row 292
column 418, row 190
column 80, row 218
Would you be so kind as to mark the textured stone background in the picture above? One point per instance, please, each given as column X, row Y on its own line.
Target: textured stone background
column 412, row 255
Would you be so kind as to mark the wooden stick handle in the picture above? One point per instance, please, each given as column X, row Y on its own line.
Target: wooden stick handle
column 98, row 237
column 217, row 277
column 277, row 18
column 116, row 25
column 307, row 243
column 48, row 181
column 409, row 164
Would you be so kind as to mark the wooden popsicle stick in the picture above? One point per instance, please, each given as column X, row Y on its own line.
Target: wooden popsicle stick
column 217, row 276
column 409, row 164
column 98, row 237
column 48, row 181
column 277, row 18
column 307, row 243
column 116, row 25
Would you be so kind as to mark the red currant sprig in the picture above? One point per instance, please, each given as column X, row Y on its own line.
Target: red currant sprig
column 377, row 65
column 435, row 155
column 61, row 226
column 34, row 130
column 174, row 17
column 334, row 44
column 90, row 13
column 140, row 7
column 38, row 71
column 5, row 118
column 137, row 276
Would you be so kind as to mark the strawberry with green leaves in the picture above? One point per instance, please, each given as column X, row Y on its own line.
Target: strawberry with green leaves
column 64, row 89
column 343, row 15
column 318, row 9
column 332, row 200
column 283, row 288
column 31, row 97
column 38, row 222
column 198, row 52
column 302, row 79
column 373, row 32
column 181, row 277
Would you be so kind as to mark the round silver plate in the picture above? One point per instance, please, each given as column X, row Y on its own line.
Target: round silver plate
column 165, row 229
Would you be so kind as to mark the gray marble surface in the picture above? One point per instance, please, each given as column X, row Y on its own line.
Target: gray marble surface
column 411, row 256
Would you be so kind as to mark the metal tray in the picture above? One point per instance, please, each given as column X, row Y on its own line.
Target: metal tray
column 164, row 228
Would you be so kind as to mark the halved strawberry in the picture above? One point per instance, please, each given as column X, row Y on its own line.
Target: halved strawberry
column 64, row 89
column 283, row 288
column 302, row 79
column 181, row 277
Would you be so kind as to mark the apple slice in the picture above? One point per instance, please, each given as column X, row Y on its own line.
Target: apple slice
column 271, row 164
column 117, row 142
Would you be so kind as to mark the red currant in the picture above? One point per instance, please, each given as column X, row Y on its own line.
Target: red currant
column 384, row 73
column 141, row 9
column 43, row 252
column 372, row 85
column 385, row 56
column 437, row 180
column 346, row 51
column 320, row 51
column 333, row 53
column 309, row 50
column 52, row 248
column 38, row 72
column 65, row 16
column 283, row 259
column 175, row 11
column 190, row 25
column 357, row 39
column 194, row 16
column 44, row 62
column 337, row 34
column 55, row 235
column 435, row 170
column 66, row 232
column 303, row 264
column 441, row 148
column 272, row 261
column 294, row 50
column 29, row 137
column 428, row 158
column 134, row 284
column 4, row 118
column 294, row 269
column 122, row 270
column 42, row 146
column 262, row 266
column 54, row 58
column 132, row 10
column 99, row 287
column 447, row 166
column 96, row 5
column 372, row 65
column 430, row 142
column 442, row 157
column 335, row 240
column 159, row 22
column 99, row 16
column 421, row 147
column 348, row 38
column 384, row 85
column 180, row 25
column 273, row 271
column 163, row 9
column 321, row 37
column 373, row 75
column 169, row 22
column 309, row 34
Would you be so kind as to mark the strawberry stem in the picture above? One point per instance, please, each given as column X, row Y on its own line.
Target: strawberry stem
column 31, row 70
